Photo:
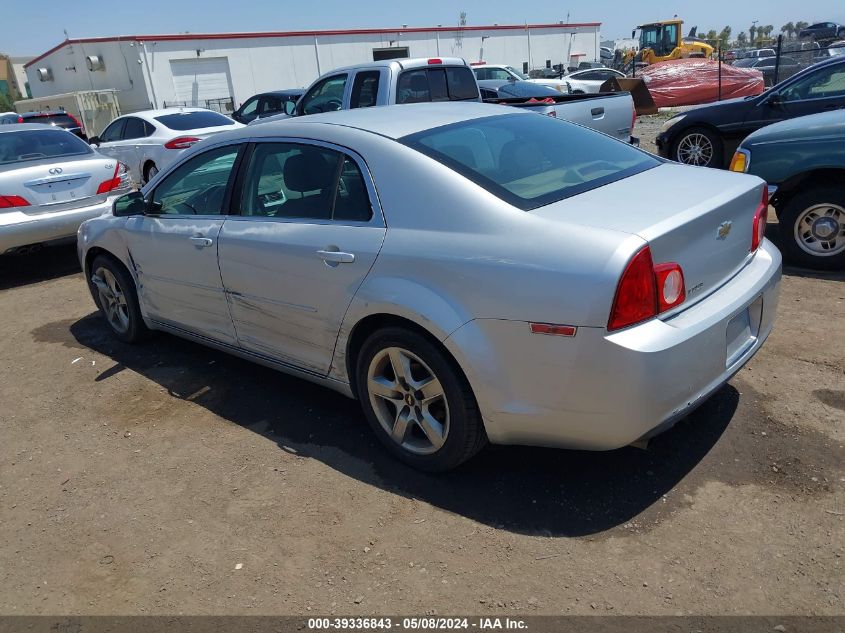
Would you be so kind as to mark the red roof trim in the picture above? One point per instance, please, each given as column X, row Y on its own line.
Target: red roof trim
column 239, row 36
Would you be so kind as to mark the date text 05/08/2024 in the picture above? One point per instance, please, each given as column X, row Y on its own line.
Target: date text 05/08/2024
column 428, row 623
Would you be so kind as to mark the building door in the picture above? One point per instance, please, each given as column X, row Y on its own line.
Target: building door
column 197, row 81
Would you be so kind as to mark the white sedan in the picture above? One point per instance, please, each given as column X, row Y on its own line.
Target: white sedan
column 590, row 80
column 149, row 141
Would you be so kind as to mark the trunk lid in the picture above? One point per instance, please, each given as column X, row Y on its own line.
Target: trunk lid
column 697, row 217
column 52, row 186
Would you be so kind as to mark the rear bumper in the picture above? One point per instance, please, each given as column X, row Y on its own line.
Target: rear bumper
column 19, row 229
column 600, row 390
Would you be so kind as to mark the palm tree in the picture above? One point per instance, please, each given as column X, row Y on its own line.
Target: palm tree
column 752, row 31
column 767, row 32
column 788, row 29
column 741, row 39
column 725, row 37
column 799, row 26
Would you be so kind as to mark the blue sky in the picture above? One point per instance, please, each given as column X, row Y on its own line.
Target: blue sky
column 33, row 32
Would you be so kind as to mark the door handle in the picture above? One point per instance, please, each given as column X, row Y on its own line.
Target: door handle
column 597, row 111
column 201, row 242
column 336, row 257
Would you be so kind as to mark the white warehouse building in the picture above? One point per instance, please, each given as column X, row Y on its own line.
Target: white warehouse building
column 221, row 70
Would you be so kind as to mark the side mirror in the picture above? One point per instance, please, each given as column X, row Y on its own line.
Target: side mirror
column 774, row 100
column 94, row 140
column 131, row 204
column 290, row 107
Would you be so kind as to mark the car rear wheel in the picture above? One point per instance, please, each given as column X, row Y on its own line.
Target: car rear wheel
column 114, row 293
column 417, row 400
column 150, row 170
column 812, row 229
column 699, row 147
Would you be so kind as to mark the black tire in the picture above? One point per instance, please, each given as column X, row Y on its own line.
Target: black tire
column 794, row 212
column 135, row 330
column 465, row 431
column 147, row 169
column 687, row 138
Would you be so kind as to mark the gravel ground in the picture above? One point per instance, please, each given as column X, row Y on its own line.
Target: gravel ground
column 169, row 478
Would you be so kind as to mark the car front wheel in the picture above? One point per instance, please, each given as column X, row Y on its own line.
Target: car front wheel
column 114, row 293
column 812, row 228
column 699, row 147
column 417, row 400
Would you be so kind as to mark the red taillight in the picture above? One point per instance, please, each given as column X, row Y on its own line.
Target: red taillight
column 114, row 182
column 761, row 217
column 20, row 119
column 77, row 121
column 182, row 142
column 7, row 202
column 646, row 290
column 435, row 60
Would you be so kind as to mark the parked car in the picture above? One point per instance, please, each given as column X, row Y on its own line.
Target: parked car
column 149, row 141
column 406, row 81
column 823, row 31
column 709, row 135
column 786, row 67
column 419, row 301
column 50, row 182
column 265, row 104
column 834, row 50
column 59, row 118
column 759, row 52
column 590, row 81
column 803, row 161
column 7, row 118
column 485, row 71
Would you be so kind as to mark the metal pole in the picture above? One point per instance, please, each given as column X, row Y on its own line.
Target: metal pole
column 777, row 59
column 719, row 54
column 317, row 55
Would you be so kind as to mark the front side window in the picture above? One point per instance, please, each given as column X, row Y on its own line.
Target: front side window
column 37, row 144
column 269, row 105
column 326, row 96
column 113, row 132
column 824, row 83
column 528, row 160
column 291, row 180
column 198, row 186
column 365, row 89
column 250, row 108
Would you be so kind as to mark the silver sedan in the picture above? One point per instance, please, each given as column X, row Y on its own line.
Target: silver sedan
column 468, row 272
column 50, row 182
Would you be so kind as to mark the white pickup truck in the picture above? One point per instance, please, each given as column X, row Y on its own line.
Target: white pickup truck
column 394, row 82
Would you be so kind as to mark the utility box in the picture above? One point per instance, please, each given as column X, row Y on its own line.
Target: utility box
column 94, row 108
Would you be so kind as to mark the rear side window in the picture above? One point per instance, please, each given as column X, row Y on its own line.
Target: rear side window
column 436, row 84
column 365, row 89
column 182, row 121
column 135, row 128
column 530, row 161
column 37, row 144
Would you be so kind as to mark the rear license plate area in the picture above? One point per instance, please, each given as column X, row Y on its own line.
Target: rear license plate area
column 741, row 332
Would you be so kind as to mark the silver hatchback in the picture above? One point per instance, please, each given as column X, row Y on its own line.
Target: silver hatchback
column 468, row 272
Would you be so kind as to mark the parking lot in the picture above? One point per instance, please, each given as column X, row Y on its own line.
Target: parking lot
column 169, row 478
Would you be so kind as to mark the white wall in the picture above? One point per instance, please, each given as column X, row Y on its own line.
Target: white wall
column 271, row 63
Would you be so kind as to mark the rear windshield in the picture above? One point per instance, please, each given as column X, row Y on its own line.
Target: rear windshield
column 530, row 160
column 181, row 121
column 62, row 120
column 436, row 84
column 37, row 144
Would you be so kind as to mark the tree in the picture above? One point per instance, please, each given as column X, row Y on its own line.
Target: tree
column 799, row 26
column 752, row 31
column 765, row 33
column 711, row 36
column 725, row 37
column 788, row 29
column 741, row 39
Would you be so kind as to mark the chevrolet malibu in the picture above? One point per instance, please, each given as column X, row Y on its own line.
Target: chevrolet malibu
column 468, row 272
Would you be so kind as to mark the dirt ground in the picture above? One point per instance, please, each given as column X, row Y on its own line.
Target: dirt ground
column 169, row 478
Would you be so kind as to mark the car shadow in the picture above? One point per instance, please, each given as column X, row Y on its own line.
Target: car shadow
column 44, row 264
column 774, row 236
column 525, row 490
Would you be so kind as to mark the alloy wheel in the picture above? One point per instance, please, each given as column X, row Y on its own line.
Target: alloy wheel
column 820, row 230
column 112, row 299
column 408, row 400
column 695, row 149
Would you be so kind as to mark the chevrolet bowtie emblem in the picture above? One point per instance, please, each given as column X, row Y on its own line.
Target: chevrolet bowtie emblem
column 724, row 229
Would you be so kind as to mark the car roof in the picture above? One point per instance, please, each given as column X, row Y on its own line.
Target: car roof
column 28, row 127
column 151, row 114
column 403, row 64
column 281, row 93
column 390, row 121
